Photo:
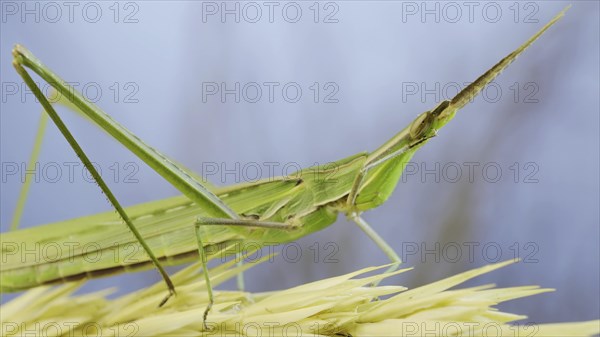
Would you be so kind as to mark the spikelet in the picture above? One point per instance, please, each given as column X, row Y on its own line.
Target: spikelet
column 340, row 306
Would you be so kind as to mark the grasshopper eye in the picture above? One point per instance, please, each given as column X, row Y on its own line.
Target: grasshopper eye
column 423, row 122
column 420, row 124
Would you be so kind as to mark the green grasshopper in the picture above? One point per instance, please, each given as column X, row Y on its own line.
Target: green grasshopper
column 172, row 231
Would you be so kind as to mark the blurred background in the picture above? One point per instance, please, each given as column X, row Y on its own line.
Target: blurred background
column 247, row 85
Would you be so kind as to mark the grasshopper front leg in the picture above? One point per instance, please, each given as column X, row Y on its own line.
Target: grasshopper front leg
column 424, row 127
column 411, row 138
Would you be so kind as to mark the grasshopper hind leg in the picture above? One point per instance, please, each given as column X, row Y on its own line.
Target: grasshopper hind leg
column 18, row 64
column 33, row 158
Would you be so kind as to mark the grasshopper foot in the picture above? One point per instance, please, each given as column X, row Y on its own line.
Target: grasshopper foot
column 205, row 315
column 169, row 295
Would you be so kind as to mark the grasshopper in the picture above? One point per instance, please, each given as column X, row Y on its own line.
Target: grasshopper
column 173, row 230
